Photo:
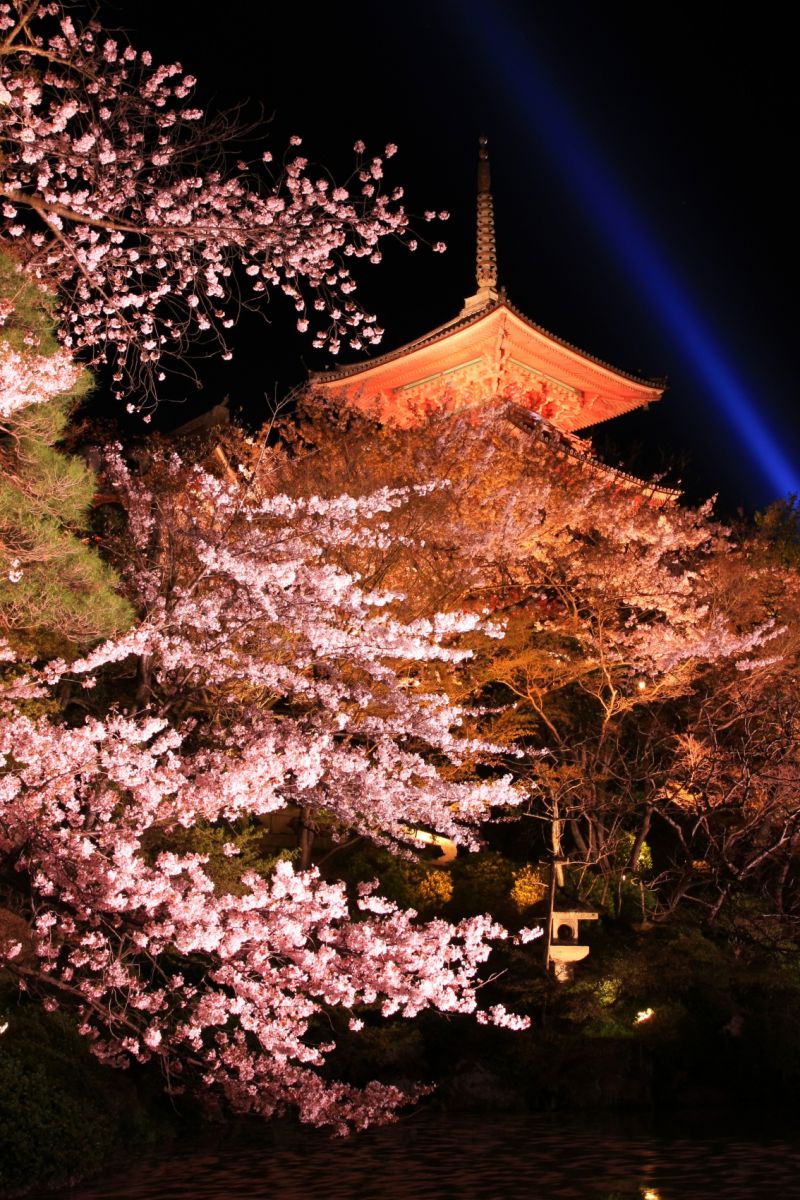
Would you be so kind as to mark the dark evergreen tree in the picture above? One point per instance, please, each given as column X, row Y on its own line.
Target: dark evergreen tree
column 55, row 590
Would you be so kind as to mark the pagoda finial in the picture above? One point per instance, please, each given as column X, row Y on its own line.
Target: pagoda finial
column 486, row 250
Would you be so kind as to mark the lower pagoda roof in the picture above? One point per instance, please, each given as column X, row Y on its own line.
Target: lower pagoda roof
column 492, row 351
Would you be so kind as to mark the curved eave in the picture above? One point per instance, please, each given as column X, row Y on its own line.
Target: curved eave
column 620, row 411
column 652, row 384
column 421, row 343
column 442, row 332
column 536, row 426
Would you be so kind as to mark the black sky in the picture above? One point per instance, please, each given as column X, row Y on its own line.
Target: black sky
column 687, row 110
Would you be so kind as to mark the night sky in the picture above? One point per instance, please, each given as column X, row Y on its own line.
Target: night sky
column 640, row 160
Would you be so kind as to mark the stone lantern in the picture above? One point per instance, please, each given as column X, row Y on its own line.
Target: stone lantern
column 563, row 948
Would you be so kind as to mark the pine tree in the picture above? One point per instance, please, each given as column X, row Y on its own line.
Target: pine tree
column 54, row 588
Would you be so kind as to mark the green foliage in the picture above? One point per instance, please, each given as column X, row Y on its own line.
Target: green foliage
column 434, row 889
column 62, row 1115
column 608, row 991
column 625, row 845
column 483, row 883
column 33, row 308
column 389, row 1050
column 248, row 840
column 63, row 593
column 529, row 887
column 779, row 527
column 617, row 891
column 411, row 883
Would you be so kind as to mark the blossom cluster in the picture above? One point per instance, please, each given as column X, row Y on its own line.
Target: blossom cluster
column 27, row 377
column 108, row 195
column 244, row 615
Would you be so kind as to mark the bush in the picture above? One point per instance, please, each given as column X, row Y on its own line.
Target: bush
column 62, row 1115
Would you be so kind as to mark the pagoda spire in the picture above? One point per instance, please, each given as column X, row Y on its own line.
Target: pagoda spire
column 486, row 248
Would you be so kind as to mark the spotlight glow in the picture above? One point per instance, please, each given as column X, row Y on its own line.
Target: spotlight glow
column 535, row 93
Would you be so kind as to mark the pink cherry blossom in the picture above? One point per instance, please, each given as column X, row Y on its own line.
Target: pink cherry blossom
column 240, row 598
column 110, row 197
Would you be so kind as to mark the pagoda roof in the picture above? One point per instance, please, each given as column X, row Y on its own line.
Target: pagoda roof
column 490, row 350
column 567, row 445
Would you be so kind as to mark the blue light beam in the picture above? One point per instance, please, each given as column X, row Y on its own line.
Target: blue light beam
column 525, row 78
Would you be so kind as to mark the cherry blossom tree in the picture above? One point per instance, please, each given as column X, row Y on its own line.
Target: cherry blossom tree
column 259, row 674
column 731, row 795
column 620, row 609
column 118, row 192
column 267, row 676
column 28, row 377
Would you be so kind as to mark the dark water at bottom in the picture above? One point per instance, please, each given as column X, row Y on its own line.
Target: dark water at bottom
column 472, row 1158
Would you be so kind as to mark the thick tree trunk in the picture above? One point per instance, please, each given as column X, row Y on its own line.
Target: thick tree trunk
column 780, row 892
column 579, row 839
column 144, row 680
column 305, row 838
column 556, row 831
column 551, row 904
column 636, row 849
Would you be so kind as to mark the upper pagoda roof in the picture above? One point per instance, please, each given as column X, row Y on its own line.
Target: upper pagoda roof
column 491, row 349
column 499, row 348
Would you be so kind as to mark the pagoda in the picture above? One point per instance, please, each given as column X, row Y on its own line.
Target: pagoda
column 489, row 350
